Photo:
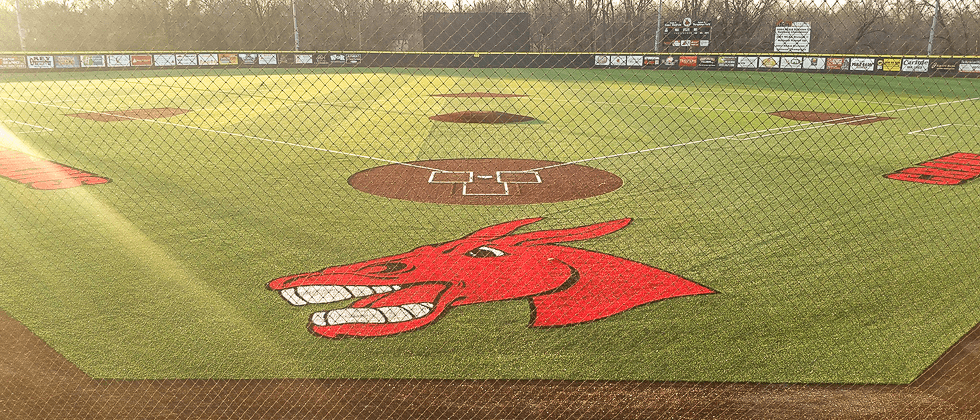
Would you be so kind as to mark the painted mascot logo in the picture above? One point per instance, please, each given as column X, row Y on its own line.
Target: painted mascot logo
column 405, row 292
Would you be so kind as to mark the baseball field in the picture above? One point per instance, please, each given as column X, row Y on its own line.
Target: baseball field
column 794, row 226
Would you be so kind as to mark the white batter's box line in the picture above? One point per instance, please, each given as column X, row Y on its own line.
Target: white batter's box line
column 537, row 177
column 37, row 128
column 433, row 174
column 506, row 190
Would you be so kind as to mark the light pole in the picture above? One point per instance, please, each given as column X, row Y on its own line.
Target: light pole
column 295, row 26
column 932, row 32
column 20, row 27
column 660, row 13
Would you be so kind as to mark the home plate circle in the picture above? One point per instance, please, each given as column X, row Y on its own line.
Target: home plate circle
column 485, row 181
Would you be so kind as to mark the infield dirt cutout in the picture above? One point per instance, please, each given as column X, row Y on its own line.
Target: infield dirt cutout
column 485, row 181
column 478, row 95
column 829, row 118
column 131, row 114
column 481, row 117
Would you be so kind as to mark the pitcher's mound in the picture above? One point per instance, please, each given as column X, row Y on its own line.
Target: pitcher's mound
column 829, row 118
column 485, row 181
column 131, row 114
column 481, row 117
column 478, row 95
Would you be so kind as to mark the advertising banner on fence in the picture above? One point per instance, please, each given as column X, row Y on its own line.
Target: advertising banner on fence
column 814, row 63
column 268, row 60
column 12, row 62
column 862, row 64
column 186, row 59
column 791, row 62
column 66, row 62
column 969, row 66
column 141, row 60
column 164, row 60
column 915, row 65
column 248, row 59
column 92, row 60
column 207, row 59
column 748, row 62
column 227, row 59
column 40, row 62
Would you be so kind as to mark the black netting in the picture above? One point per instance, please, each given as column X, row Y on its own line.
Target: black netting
column 537, row 209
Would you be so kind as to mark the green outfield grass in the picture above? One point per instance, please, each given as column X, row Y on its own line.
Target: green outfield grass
column 825, row 270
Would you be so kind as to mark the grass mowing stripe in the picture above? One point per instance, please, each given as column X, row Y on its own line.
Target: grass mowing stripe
column 228, row 133
column 779, row 130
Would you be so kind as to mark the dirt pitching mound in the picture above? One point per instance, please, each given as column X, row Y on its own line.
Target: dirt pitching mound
column 131, row 114
column 481, row 117
column 478, row 95
column 485, row 181
column 829, row 118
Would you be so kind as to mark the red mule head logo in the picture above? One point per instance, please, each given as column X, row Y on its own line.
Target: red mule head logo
column 404, row 292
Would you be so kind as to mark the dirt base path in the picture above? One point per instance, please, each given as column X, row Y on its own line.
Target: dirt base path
column 36, row 382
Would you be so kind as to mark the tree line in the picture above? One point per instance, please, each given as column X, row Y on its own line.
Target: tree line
column 838, row 26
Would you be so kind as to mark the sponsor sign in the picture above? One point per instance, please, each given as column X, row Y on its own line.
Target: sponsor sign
column 814, row 63
column 617, row 60
column 304, row 58
column 862, row 64
column 838, row 63
column 321, row 59
column 92, row 60
column 670, row 61
column 207, row 59
column 915, row 65
column 248, row 59
column 186, row 59
column 66, row 62
column 634, row 60
column 651, row 61
column 164, row 60
column 707, row 61
column 141, row 60
column 689, row 61
column 969, row 66
column 943, row 65
column 748, row 62
column 227, row 59
column 890, row 64
column 769, row 62
column 353, row 58
column 953, row 169
column 791, row 62
column 13, row 62
column 602, row 60
column 342, row 59
column 727, row 61
column 40, row 62
column 792, row 37
column 268, row 60
column 287, row 59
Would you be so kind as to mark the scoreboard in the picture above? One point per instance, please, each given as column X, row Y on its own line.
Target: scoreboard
column 688, row 33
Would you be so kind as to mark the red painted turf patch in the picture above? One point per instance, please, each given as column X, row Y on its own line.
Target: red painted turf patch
column 478, row 95
column 829, row 118
column 481, row 117
column 131, row 114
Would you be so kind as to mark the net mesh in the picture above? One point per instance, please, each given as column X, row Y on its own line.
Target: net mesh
column 490, row 209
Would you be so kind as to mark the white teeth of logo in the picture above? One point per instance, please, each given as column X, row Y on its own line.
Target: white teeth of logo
column 302, row 295
column 323, row 294
column 382, row 315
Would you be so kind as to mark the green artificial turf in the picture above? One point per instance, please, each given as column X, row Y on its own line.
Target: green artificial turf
column 825, row 270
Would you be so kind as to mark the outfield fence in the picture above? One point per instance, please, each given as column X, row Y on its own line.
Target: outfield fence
column 490, row 210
